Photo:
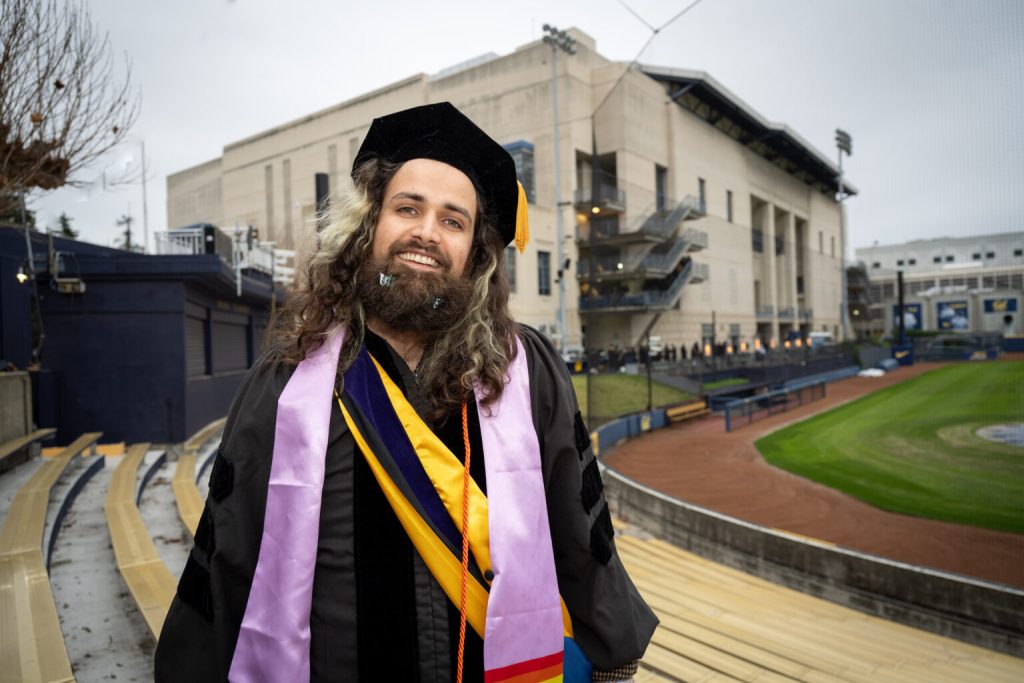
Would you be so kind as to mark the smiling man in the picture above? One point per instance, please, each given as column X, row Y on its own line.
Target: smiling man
column 405, row 490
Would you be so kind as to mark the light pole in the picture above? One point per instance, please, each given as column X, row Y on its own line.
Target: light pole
column 558, row 40
column 844, row 143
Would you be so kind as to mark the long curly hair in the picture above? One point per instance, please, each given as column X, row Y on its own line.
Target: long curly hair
column 477, row 348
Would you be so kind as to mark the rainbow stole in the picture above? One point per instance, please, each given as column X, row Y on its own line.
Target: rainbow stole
column 512, row 590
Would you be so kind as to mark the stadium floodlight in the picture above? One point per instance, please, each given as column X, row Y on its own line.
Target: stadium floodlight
column 844, row 141
column 845, row 144
column 558, row 40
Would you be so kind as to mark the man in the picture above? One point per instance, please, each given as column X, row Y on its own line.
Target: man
column 398, row 406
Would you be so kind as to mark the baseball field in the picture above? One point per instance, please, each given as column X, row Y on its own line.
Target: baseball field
column 913, row 448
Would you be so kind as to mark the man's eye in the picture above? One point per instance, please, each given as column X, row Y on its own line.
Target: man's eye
column 454, row 223
column 406, row 209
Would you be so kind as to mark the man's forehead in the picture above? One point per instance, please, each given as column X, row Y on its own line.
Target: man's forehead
column 432, row 180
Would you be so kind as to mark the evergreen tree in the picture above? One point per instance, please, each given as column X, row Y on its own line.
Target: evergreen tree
column 65, row 227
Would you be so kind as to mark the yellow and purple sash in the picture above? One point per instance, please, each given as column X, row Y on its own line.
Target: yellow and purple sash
column 513, row 600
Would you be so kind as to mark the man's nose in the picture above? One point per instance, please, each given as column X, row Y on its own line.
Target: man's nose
column 428, row 229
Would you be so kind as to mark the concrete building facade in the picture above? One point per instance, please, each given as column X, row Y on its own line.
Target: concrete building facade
column 697, row 209
column 952, row 284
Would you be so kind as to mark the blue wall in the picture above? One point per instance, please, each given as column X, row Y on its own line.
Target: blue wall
column 15, row 299
column 115, row 356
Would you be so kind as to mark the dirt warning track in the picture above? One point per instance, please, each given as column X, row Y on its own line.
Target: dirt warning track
column 700, row 463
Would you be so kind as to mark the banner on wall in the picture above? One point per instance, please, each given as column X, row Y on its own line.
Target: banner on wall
column 912, row 316
column 1004, row 305
column 952, row 315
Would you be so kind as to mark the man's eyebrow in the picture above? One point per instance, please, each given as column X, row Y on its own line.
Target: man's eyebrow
column 458, row 209
column 408, row 195
column 420, row 198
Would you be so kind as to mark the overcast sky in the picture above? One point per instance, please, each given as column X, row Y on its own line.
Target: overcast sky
column 932, row 91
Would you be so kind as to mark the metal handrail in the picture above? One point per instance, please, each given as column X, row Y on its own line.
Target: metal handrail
column 648, row 299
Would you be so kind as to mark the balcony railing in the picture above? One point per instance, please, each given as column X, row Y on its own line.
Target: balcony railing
column 654, row 225
column 240, row 253
column 647, row 300
column 806, row 314
column 646, row 264
column 181, row 242
column 787, row 313
column 663, row 223
column 609, row 197
column 765, row 312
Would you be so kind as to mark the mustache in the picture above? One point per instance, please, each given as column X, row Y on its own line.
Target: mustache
column 429, row 250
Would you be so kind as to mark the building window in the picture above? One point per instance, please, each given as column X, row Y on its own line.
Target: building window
column 832, row 253
column 332, row 167
column 799, row 285
column 728, row 205
column 899, row 262
column 821, row 242
column 510, row 267
column 949, row 258
column 660, row 181
column 757, row 241
column 522, row 155
column 876, row 264
column 1018, row 252
column 937, row 259
column 976, row 256
column 702, row 192
column 912, row 262
column 268, row 191
column 197, row 346
column 780, row 246
column 286, row 185
column 990, row 254
column 543, row 273
column 353, row 148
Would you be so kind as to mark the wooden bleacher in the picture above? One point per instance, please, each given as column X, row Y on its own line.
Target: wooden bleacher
column 149, row 580
column 12, row 446
column 720, row 624
column 31, row 643
column 197, row 440
column 685, row 412
column 190, row 503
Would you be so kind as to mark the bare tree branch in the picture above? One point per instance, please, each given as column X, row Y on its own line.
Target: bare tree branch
column 62, row 102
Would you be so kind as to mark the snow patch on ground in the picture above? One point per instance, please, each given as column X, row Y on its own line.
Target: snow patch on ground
column 159, row 512
column 106, row 636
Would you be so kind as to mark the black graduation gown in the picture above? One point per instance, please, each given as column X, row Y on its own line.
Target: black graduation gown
column 376, row 613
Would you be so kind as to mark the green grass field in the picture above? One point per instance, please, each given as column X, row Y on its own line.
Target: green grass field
column 911, row 448
column 727, row 382
column 616, row 395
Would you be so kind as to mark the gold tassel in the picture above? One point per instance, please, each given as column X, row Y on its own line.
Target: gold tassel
column 522, row 220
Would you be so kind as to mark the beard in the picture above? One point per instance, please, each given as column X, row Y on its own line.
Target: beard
column 414, row 300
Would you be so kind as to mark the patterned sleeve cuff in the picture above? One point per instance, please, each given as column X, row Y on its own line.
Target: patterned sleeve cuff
column 619, row 673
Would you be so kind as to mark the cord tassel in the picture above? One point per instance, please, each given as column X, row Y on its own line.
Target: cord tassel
column 465, row 540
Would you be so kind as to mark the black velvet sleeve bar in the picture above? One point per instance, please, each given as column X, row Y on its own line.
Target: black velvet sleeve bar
column 612, row 623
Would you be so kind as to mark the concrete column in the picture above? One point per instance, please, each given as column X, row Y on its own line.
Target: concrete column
column 790, row 232
column 773, row 290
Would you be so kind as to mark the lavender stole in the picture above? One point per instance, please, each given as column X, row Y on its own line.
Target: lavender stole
column 524, row 632
column 524, row 628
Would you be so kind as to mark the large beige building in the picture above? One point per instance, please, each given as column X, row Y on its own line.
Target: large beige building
column 703, row 210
